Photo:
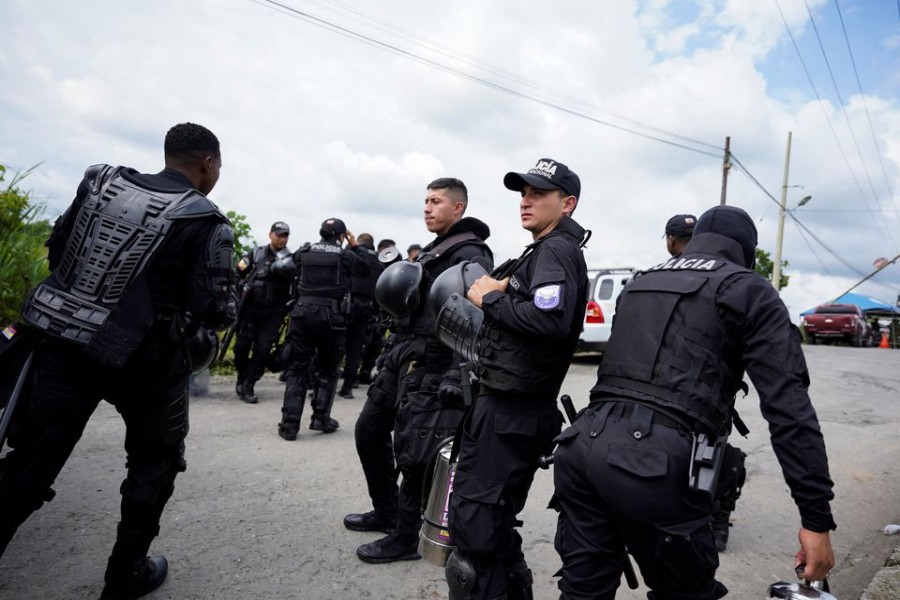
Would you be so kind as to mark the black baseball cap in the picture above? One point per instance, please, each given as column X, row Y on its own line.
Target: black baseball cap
column 280, row 227
column 547, row 174
column 334, row 226
column 681, row 225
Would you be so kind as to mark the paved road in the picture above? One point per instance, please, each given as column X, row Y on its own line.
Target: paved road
column 257, row 517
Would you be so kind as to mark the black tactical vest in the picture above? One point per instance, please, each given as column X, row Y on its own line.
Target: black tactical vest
column 669, row 348
column 514, row 362
column 117, row 231
column 266, row 287
column 321, row 272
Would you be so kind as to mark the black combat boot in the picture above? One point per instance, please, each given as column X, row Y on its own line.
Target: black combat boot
column 346, row 390
column 288, row 429
column 323, row 423
column 239, row 388
column 248, row 394
column 390, row 549
column 148, row 574
column 370, row 521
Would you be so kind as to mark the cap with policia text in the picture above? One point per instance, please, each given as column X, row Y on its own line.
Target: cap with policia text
column 547, row 174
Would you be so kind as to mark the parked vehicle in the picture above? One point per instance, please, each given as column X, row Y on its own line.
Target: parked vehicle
column 844, row 322
column 604, row 288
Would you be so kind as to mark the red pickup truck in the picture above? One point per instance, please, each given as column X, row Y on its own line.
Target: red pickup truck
column 837, row 321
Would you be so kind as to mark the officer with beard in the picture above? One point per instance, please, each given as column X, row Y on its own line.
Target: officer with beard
column 533, row 311
column 318, row 325
column 418, row 390
column 265, row 296
column 683, row 334
column 138, row 262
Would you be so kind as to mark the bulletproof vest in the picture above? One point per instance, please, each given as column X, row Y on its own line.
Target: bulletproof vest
column 365, row 286
column 515, row 362
column 669, row 348
column 117, row 231
column 321, row 272
column 266, row 287
column 434, row 261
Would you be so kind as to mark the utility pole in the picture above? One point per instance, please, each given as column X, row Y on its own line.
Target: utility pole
column 726, row 164
column 779, row 238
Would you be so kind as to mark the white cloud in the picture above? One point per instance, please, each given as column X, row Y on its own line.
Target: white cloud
column 314, row 124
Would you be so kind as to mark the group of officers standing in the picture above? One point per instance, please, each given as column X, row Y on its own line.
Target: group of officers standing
column 627, row 475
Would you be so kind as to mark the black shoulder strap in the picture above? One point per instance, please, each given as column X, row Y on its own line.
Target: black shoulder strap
column 453, row 241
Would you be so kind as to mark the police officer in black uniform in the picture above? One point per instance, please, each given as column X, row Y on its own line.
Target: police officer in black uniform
column 679, row 230
column 265, row 294
column 375, row 338
column 418, row 389
column 363, row 314
column 318, row 325
column 533, row 311
column 683, row 334
column 138, row 263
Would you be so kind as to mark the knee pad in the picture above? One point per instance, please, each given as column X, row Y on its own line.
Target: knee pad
column 460, row 573
column 153, row 482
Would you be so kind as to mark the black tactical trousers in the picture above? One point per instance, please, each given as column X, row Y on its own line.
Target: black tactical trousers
column 315, row 331
column 373, row 348
column 502, row 440
column 150, row 392
column 621, row 480
column 362, row 319
column 375, row 424
column 257, row 333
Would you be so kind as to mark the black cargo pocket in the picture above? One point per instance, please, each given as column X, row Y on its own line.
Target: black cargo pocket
column 476, row 488
column 643, row 462
column 688, row 552
column 515, row 425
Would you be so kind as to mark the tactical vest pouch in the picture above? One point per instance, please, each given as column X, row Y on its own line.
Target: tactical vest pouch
column 422, row 422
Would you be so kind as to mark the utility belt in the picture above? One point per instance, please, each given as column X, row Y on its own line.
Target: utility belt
column 707, row 451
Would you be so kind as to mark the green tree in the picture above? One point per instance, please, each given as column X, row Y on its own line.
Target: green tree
column 765, row 266
column 243, row 243
column 22, row 253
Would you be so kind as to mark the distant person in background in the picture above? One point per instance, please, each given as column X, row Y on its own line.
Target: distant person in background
column 264, row 297
column 363, row 313
column 412, row 252
column 679, row 230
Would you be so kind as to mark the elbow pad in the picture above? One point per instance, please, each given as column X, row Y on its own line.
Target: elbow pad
column 219, row 272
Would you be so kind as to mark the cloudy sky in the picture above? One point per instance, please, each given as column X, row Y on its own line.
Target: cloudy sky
column 347, row 108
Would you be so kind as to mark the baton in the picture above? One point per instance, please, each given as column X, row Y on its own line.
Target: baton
column 14, row 399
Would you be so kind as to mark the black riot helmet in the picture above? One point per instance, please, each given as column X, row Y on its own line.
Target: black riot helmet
column 203, row 347
column 397, row 288
column 455, row 280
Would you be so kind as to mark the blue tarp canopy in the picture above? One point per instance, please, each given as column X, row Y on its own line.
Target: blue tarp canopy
column 866, row 303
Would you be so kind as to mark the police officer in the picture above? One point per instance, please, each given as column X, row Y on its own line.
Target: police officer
column 318, row 325
column 533, row 310
column 375, row 339
column 363, row 314
column 265, row 294
column 683, row 334
column 149, row 258
column 679, row 230
column 418, row 389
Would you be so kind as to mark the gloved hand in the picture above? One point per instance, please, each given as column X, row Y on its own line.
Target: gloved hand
column 450, row 393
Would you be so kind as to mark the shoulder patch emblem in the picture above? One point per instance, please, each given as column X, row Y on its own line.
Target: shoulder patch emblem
column 242, row 264
column 548, row 296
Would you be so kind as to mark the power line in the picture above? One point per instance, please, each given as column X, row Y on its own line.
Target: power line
column 887, row 180
column 346, row 32
column 821, row 103
column 827, row 248
column 889, row 238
